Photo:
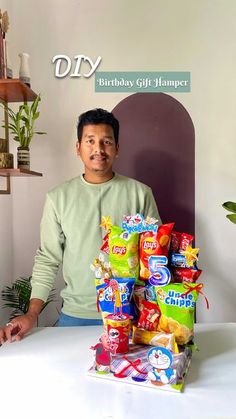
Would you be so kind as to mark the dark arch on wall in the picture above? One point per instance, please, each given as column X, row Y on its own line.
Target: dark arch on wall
column 157, row 147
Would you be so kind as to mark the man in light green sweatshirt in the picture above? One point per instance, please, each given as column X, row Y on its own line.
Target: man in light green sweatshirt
column 70, row 232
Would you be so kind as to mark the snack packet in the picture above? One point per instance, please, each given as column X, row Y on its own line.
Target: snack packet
column 149, row 316
column 139, row 295
column 186, row 259
column 154, row 338
column 185, row 274
column 177, row 304
column 180, row 241
column 123, row 253
column 154, row 244
column 114, row 297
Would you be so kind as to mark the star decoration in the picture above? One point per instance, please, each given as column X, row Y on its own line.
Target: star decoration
column 106, row 222
column 190, row 255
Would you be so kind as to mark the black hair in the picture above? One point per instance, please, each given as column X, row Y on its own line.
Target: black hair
column 96, row 117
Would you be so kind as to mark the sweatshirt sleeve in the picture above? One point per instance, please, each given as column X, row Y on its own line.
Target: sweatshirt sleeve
column 49, row 256
column 151, row 209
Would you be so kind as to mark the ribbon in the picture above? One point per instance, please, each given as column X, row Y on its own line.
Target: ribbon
column 130, row 364
column 197, row 288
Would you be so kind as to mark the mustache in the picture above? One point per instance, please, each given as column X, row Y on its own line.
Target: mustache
column 102, row 154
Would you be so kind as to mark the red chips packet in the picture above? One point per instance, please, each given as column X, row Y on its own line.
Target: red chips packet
column 179, row 241
column 154, row 244
column 185, row 275
column 149, row 316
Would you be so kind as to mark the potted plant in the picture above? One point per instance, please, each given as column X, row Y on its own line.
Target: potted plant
column 17, row 297
column 21, row 125
column 230, row 206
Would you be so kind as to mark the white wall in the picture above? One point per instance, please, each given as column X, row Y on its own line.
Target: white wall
column 152, row 36
column 6, row 243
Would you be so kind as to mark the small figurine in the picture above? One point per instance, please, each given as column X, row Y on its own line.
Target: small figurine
column 161, row 360
column 116, row 297
column 103, row 356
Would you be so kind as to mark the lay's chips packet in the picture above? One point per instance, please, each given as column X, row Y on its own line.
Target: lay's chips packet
column 123, row 253
column 154, row 244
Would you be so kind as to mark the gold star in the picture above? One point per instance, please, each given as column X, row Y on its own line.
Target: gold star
column 190, row 255
column 106, row 222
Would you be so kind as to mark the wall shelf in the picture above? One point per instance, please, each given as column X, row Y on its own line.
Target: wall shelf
column 14, row 90
column 18, row 172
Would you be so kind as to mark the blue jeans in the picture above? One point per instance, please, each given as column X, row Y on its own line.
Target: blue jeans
column 68, row 321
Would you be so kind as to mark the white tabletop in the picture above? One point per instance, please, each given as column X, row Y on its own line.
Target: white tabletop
column 45, row 376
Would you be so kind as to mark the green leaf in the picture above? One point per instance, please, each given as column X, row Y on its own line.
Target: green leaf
column 232, row 218
column 230, row 206
column 34, row 105
column 17, row 296
column 12, row 127
column 35, row 116
column 39, row 132
column 27, row 124
column 27, row 109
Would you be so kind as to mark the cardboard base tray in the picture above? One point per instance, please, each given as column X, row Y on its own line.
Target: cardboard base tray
column 136, row 367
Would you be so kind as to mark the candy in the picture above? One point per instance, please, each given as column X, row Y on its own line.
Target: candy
column 101, row 269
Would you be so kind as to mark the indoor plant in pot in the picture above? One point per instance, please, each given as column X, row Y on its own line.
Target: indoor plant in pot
column 17, row 297
column 21, row 125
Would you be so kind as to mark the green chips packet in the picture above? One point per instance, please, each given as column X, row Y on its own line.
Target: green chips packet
column 123, row 253
column 177, row 304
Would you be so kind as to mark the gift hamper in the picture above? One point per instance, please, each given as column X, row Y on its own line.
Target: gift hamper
column 146, row 290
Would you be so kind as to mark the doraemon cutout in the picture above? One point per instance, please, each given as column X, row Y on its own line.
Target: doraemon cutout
column 161, row 360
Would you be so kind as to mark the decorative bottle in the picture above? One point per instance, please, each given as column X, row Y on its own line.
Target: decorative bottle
column 24, row 72
column 9, row 72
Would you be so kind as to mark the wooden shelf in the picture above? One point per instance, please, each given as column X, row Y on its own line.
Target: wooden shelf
column 14, row 90
column 18, row 172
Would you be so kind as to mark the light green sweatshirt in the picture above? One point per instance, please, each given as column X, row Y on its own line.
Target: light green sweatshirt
column 70, row 234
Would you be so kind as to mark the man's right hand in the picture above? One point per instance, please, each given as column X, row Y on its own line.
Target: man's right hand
column 17, row 328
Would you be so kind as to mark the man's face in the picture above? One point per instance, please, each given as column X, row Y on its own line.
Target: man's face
column 97, row 150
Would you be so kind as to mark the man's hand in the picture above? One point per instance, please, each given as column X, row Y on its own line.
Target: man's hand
column 17, row 328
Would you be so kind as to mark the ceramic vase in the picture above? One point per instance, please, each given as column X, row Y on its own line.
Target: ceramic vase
column 23, row 158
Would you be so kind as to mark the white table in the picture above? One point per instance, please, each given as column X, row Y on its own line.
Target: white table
column 45, row 376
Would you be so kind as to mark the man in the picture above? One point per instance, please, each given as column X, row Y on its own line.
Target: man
column 70, row 232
